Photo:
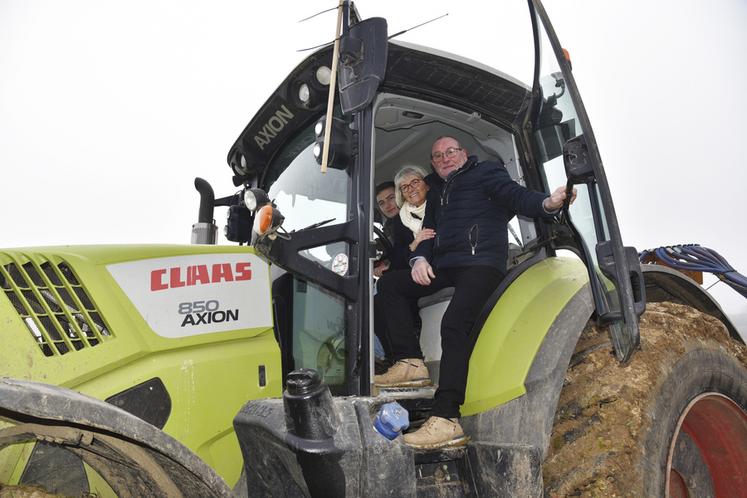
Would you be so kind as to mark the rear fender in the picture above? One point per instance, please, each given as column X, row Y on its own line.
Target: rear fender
column 134, row 457
column 667, row 284
column 526, row 420
column 516, row 327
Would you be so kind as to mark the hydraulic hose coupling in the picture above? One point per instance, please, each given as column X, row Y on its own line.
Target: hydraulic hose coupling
column 309, row 413
column 391, row 420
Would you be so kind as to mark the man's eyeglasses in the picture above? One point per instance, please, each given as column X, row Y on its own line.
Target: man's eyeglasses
column 448, row 153
column 406, row 187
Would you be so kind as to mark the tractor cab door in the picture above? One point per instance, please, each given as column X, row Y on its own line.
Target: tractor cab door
column 327, row 287
column 567, row 151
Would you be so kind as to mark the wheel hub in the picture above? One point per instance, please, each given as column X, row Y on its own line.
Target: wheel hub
column 709, row 448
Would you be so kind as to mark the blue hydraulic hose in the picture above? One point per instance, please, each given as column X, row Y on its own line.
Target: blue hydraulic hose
column 694, row 257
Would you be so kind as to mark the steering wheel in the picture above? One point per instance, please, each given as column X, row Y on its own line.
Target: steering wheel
column 383, row 243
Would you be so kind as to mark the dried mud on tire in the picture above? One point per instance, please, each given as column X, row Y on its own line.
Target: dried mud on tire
column 601, row 440
column 25, row 492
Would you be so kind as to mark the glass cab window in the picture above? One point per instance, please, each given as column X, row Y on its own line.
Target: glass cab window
column 562, row 129
column 306, row 197
column 557, row 123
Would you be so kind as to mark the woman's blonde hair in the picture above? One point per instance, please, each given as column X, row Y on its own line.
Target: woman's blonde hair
column 403, row 171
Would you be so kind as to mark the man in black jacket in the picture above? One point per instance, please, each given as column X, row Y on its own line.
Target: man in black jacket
column 397, row 233
column 470, row 204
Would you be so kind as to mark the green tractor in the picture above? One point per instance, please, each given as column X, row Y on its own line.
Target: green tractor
column 246, row 370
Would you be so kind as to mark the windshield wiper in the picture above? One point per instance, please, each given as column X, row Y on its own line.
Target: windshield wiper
column 318, row 224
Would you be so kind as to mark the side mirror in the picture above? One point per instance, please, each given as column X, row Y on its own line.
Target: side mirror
column 363, row 56
column 577, row 162
column 551, row 132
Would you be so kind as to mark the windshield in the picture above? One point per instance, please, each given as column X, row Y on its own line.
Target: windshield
column 306, row 196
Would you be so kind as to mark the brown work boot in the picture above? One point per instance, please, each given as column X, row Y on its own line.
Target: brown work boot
column 437, row 432
column 410, row 372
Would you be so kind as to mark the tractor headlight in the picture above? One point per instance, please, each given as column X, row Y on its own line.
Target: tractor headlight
column 323, row 75
column 317, row 153
column 255, row 198
column 239, row 165
column 304, row 93
column 340, row 142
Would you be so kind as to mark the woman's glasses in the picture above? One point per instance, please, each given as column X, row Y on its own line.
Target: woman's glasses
column 406, row 187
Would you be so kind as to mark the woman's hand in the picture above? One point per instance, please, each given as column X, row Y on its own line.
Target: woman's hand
column 424, row 234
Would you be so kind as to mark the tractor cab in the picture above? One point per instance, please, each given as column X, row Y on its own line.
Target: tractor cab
column 175, row 374
column 345, row 120
column 392, row 100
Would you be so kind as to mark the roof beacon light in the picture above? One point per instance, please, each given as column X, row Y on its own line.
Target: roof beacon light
column 567, row 56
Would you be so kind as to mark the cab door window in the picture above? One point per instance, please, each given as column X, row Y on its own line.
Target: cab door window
column 561, row 122
column 308, row 200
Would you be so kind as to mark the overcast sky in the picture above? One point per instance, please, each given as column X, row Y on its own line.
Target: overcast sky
column 108, row 110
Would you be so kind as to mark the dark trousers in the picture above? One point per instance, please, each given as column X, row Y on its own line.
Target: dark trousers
column 393, row 315
column 383, row 337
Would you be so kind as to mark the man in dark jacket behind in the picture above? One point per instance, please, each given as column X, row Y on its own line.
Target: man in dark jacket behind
column 398, row 235
column 470, row 204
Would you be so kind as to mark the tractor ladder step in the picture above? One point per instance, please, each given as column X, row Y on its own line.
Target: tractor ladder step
column 405, row 392
column 443, row 473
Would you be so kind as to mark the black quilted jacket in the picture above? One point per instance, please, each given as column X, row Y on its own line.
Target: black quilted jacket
column 470, row 212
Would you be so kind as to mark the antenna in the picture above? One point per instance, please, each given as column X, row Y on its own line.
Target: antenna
column 317, row 14
column 389, row 38
column 417, row 26
column 317, row 46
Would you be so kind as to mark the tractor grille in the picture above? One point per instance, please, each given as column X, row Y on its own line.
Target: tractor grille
column 53, row 304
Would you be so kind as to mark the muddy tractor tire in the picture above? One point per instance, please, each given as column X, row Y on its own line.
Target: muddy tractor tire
column 66, row 443
column 671, row 422
column 128, row 470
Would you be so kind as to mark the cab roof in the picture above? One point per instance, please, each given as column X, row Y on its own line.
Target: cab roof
column 412, row 71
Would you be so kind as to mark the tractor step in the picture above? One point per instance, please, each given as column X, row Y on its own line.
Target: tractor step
column 405, row 392
column 418, row 401
column 444, row 473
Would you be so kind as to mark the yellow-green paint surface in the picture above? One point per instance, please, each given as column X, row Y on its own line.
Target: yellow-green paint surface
column 514, row 331
column 208, row 377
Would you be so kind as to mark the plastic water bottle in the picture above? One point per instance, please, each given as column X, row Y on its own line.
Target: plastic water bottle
column 391, row 420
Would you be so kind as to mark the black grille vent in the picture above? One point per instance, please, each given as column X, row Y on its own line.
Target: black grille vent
column 57, row 310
